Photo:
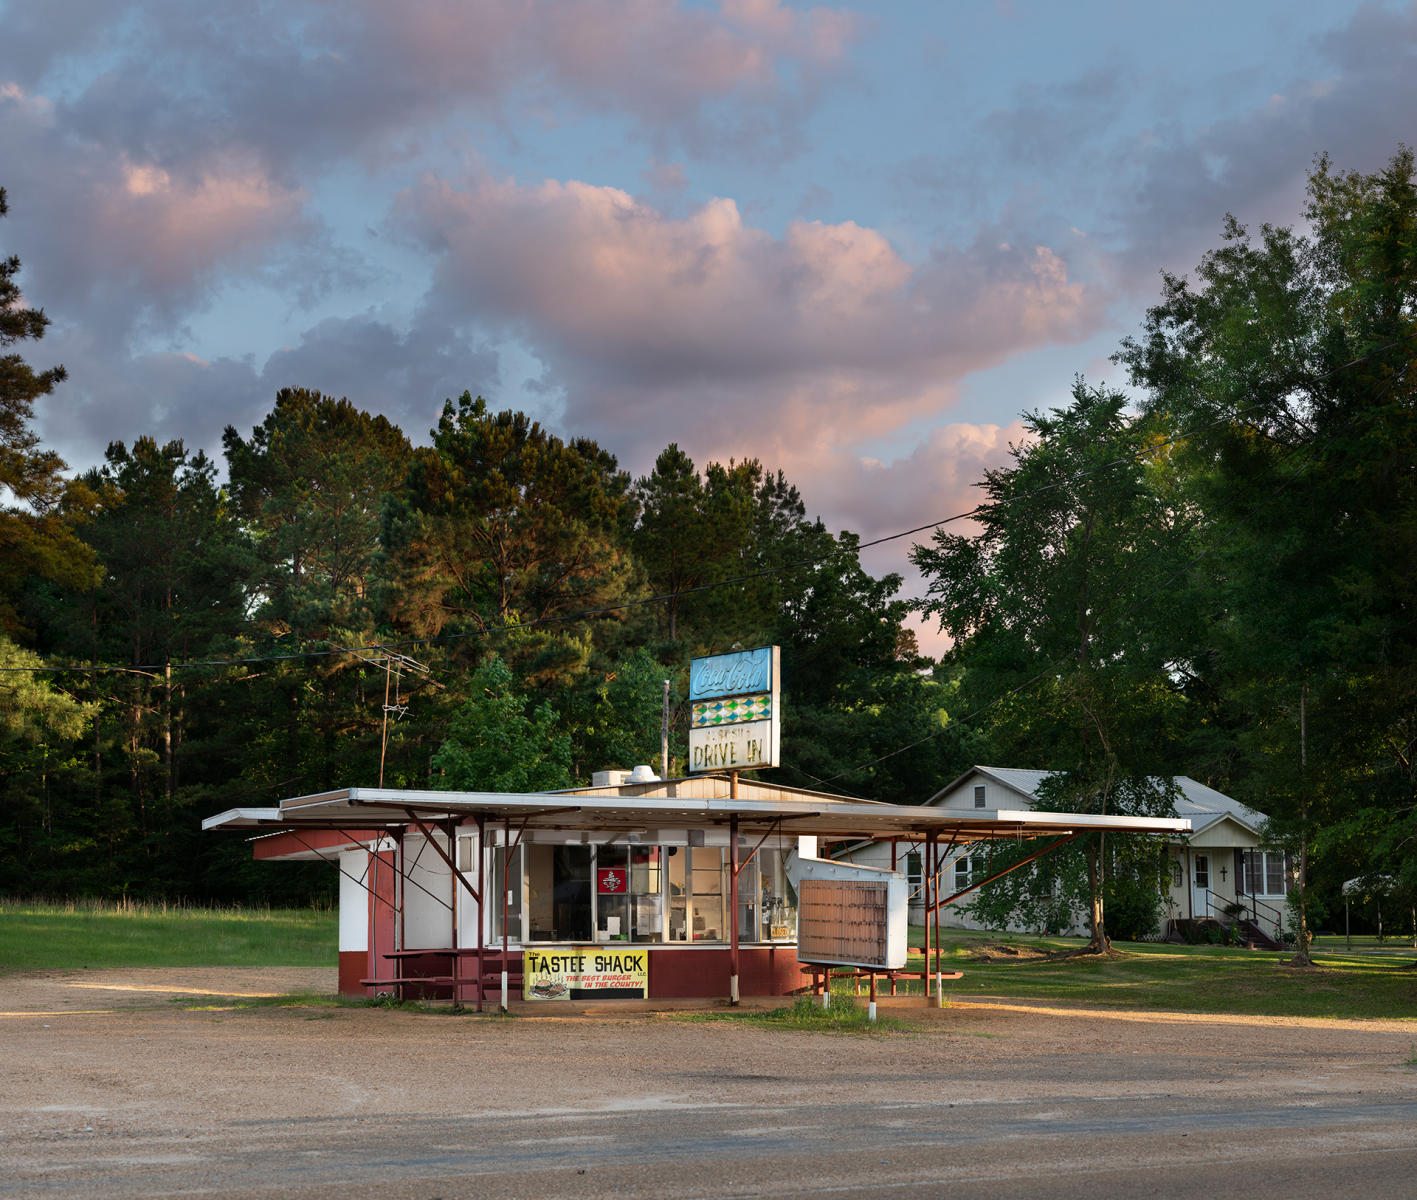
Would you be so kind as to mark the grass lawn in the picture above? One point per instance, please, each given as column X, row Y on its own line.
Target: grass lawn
column 37, row 935
column 1369, row 981
column 1201, row 979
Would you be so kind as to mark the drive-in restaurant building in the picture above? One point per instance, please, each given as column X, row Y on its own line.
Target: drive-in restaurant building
column 633, row 887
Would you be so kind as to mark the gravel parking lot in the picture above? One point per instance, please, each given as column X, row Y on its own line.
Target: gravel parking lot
column 113, row 1086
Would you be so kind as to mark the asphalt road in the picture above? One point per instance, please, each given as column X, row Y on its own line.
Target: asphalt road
column 145, row 1100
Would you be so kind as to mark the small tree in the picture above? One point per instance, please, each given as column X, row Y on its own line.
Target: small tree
column 495, row 745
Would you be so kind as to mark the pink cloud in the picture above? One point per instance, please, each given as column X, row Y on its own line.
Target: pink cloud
column 725, row 337
column 938, row 480
column 655, row 58
column 167, row 229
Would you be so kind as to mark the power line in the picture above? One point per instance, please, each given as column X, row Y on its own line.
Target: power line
column 384, row 647
column 765, row 572
column 1214, row 543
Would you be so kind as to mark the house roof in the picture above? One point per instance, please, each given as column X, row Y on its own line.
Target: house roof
column 1202, row 805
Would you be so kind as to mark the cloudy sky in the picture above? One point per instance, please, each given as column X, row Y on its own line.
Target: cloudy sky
column 854, row 241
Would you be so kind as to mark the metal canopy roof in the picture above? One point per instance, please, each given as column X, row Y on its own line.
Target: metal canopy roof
column 702, row 802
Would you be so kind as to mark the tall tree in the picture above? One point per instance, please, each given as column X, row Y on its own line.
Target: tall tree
column 501, row 522
column 42, row 729
column 175, row 565
column 1067, row 608
column 1291, row 359
column 311, row 483
column 37, row 536
column 674, row 538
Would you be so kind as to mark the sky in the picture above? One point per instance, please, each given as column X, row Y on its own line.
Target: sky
column 853, row 241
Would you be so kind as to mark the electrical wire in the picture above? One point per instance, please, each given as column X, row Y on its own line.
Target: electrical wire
column 765, row 572
column 1215, row 541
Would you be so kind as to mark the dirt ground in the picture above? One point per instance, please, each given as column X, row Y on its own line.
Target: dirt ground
column 129, row 1083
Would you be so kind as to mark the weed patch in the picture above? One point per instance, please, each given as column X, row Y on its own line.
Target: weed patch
column 842, row 1015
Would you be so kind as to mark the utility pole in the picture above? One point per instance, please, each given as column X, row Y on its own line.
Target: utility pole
column 394, row 665
column 389, row 659
column 664, row 736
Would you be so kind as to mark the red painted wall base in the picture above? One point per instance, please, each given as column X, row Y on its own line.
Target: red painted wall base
column 673, row 974
column 352, row 967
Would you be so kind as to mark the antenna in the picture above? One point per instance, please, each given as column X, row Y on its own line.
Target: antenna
column 394, row 665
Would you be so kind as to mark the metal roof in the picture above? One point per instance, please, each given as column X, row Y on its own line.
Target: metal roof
column 697, row 803
column 1201, row 804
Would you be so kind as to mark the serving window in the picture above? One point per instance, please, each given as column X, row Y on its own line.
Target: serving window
column 565, row 891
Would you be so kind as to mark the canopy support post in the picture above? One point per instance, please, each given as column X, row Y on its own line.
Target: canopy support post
column 733, row 901
column 481, row 908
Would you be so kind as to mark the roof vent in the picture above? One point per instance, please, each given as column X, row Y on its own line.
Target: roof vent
column 643, row 774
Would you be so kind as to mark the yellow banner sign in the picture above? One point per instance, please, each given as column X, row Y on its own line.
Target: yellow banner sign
column 584, row 972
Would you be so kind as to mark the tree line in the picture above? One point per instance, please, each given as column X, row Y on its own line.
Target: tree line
column 1211, row 574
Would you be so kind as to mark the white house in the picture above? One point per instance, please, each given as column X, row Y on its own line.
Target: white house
column 1222, row 864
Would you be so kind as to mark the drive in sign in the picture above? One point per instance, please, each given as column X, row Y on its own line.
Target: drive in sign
column 734, row 717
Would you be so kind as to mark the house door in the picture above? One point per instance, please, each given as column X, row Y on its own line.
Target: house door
column 1200, row 886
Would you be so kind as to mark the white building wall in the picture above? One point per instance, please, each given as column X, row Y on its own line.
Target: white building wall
column 427, row 894
column 353, row 900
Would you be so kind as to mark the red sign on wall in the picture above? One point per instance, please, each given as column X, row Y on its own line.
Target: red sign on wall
column 611, row 881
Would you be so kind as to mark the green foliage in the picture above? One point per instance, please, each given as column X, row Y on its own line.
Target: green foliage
column 501, row 522
column 310, row 485
column 495, row 745
column 1059, row 611
column 37, row 528
column 1291, row 357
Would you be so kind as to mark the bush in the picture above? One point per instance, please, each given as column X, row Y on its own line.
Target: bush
column 1133, row 914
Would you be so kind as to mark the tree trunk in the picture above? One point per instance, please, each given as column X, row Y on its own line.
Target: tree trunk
column 1096, row 917
column 1302, row 937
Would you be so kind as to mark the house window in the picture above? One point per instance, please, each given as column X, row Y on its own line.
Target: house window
column 1264, row 873
column 1202, row 871
column 979, row 796
column 1175, row 872
column 961, row 873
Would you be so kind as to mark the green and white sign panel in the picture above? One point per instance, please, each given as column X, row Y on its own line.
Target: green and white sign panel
column 735, row 710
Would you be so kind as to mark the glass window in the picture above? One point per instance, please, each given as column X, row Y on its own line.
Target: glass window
column 504, row 896
column 1274, row 873
column 1254, row 873
column 1202, row 871
column 675, row 871
column 1264, row 873
column 647, row 893
column 961, row 873
column 612, row 894
column 749, row 897
column 979, row 796
column 706, row 894
column 559, row 893
column 778, row 906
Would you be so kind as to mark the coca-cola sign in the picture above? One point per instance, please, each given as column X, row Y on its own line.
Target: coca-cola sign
column 735, row 674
